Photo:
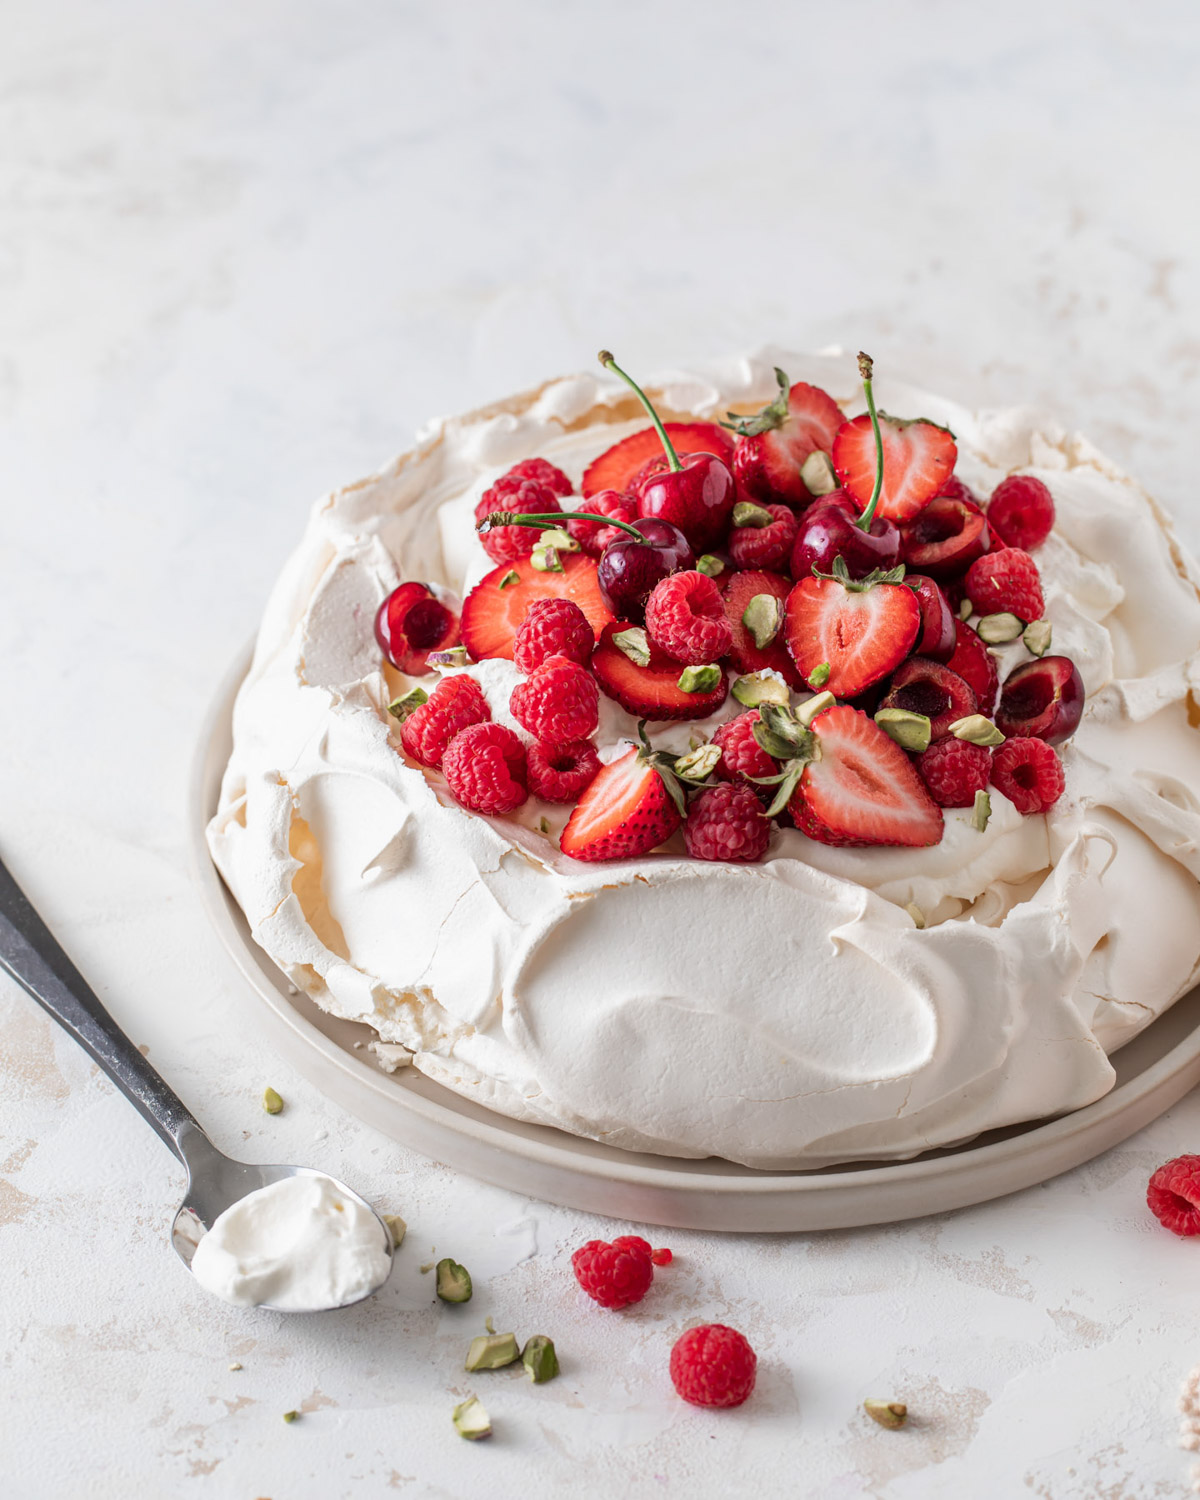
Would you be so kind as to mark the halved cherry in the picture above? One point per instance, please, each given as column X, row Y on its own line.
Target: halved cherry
column 410, row 623
column 938, row 638
column 945, row 538
column 927, row 687
column 1042, row 700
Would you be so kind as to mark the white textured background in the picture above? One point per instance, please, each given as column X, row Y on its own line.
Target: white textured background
column 244, row 250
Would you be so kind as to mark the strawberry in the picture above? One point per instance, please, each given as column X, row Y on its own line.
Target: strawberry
column 495, row 608
column 652, row 691
column 772, row 445
column 625, row 811
column 619, row 466
column 918, row 459
column 859, row 629
column 744, row 654
column 861, row 788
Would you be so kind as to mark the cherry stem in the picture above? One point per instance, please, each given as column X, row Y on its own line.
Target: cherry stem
column 552, row 522
column 866, row 369
column 610, row 363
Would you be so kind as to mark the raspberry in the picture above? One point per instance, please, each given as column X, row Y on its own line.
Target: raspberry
column 1021, row 511
column 456, row 702
column 485, row 767
column 1029, row 773
column 954, row 770
column 559, row 773
column 713, row 1365
column 508, row 543
column 742, row 757
column 552, row 627
column 1006, row 582
column 957, row 490
column 765, row 546
column 593, row 537
column 976, row 665
column 614, row 1275
column 1173, row 1194
column 559, row 703
column 685, row 617
column 727, row 822
column 544, row 472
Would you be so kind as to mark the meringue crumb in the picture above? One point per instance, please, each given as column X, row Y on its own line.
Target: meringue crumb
column 235, row 1365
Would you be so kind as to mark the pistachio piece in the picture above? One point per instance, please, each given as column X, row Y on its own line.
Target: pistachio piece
column 397, row 1228
column 272, row 1103
column 911, row 731
column 982, row 811
column 511, row 577
column 817, row 704
column 290, row 1416
column 1037, row 637
column 976, row 729
column 916, row 914
column 760, row 687
column 543, row 824
column 998, row 630
column 471, row 1421
column 453, row 656
column 698, row 764
column 699, row 679
column 819, row 676
column 492, row 1351
column 400, row 708
column 560, row 539
column 545, row 558
column 818, row 473
column 710, row 566
column 635, row 643
column 453, row 1281
column 746, row 513
column 965, row 609
column 892, row 1414
column 762, row 617
column 539, row 1359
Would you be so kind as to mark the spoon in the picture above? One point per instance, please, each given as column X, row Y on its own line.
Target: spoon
column 33, row 957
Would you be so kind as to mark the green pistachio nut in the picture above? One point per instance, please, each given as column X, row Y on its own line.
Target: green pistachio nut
column 710, row 566
column 891, row 1414
column 397, row 1228
column 762, row 617
column 290, row 1416
column 817, row 704
column 471, row 1421
column 1037, row 637
column 635, row 643
column 746, row 513
column 998, row 630
column 977, row 730
column 272, row 1103
column 699, row 679
column 453, row 1281
column 511, row 577
column 539, row 1359
column 453, row 656
column 965, row 609
column 911, row 731
column 819, row 676
column 699, row 764
column 546, row 559
column 559, row 539
column 492, row 1351
column 981, row 812
column 818, row 474
column 400, row 708
column 760, row 687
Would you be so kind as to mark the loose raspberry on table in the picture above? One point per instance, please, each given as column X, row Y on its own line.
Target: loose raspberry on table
column 559, row 703
column 455, row 703
column 552, row 627
column 1006, row 582
column 742, row 757
column 592, row 536
column 1029, row 773
column 1021, row 512
column 727, row 822
column 485, row 768
column 1173, row 1194
column 561, row 773
column 614, row 1275
column 765, row 546
column 525, row 496
column 954, row 770
column 685, row 617
column 713, row 1365
column 544, row 472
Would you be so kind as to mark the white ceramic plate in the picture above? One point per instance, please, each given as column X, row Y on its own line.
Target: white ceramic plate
column 1153, row 1071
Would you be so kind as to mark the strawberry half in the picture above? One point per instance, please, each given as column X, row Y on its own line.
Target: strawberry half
column 744, row 655
column 918, row 459
column 626, row 811
column 652, row 691
column 495, row 608
column 861, row 629
column 862, row 788
column 619, row 466
column 772, row 445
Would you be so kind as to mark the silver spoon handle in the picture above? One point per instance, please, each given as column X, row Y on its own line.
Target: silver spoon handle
column 32, row 955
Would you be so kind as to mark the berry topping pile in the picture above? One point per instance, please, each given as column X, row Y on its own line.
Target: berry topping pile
column 823, row 597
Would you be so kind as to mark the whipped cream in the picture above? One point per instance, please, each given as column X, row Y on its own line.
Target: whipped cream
column 781, row 1014
column 301, row 1244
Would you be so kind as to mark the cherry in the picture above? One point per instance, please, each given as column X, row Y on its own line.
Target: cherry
column 946, row 538
column 1042, row 700
column 410, row 623
column 829, row 528
column 938, row 636
column 630, row 567
column 927, row 687
column 696, row 495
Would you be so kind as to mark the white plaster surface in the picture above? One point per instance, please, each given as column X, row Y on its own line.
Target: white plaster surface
column 244, row 251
